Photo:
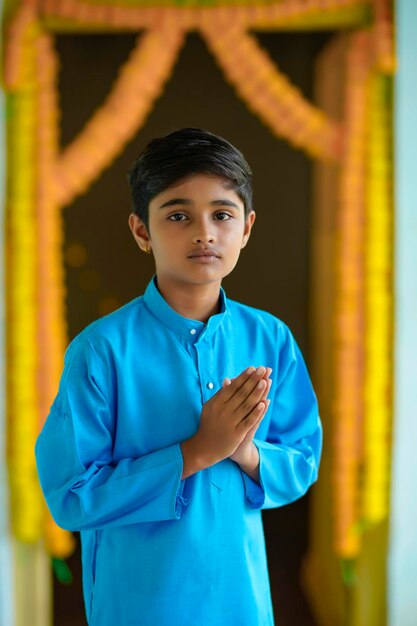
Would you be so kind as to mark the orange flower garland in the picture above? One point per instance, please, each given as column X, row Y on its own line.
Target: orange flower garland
column 269, row 93
column 384, row 35
column 140, row 82
column 52, row 331
column 286, row 14
column 17, row 34
column 349, row 294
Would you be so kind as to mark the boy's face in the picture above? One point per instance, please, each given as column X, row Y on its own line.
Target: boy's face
column 198, row 213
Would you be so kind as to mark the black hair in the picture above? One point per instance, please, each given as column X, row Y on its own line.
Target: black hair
column 184, row 152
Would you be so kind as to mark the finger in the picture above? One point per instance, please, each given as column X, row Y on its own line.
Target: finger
column 267, row 403
column 265, row 409
column 252, row 431
column 268, row 371
column 243, row 393
column 267, row 388
column 253, row 418
column 244, row 404
column 236, row 384
column 259, row 420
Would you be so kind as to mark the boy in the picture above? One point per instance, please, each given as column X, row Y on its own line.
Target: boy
column 161, row 446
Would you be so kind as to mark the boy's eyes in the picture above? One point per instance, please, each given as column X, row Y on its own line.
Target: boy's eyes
column 174, row 215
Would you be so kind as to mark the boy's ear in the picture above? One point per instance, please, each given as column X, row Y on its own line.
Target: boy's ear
column 248, row 227
column 139, row 231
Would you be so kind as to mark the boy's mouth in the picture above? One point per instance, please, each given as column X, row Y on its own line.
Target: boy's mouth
column 204, row 258
column 208, row 257
column 204, row 254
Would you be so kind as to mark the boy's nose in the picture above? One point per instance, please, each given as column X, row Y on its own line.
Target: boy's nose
column 203, row 233
column 203, row 239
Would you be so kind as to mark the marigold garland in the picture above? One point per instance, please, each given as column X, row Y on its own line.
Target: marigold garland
column 138, row 85
column 16, row 41
column 269, row 94
column 378, row 305
column 384, row 35
column 289, row 14
column 349, row 294
column 52, row 330
column 21, row 280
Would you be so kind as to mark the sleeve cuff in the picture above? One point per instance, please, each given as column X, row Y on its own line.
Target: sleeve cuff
column 180, row 500
column 254, row 492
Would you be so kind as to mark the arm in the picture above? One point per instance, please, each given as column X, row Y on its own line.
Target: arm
column 193, row 459
column 83, row 487
column 289, row 457
column 251, row 463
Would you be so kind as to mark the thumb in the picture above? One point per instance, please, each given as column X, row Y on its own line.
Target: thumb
column 226, row 382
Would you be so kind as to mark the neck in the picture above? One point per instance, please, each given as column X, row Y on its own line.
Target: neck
column 197, row 302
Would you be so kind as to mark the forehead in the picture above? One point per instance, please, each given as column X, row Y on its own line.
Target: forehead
column 198, row 185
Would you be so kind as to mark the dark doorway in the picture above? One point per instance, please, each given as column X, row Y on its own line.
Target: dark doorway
column 105, row 269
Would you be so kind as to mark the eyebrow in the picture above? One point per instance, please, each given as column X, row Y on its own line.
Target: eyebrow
column 186, row 202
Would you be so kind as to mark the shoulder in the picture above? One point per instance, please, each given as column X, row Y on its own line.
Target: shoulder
column 265, row 328
column 258, row 318
column 106, row 333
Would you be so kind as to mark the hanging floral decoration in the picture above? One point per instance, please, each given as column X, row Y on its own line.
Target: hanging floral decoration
column 21, row 297
column 52, row 327
column 383, row 33
column 363, row 334
column 378, row 306
column 269, row 93
column 283, row 14
column 139, row 84
column 18, row 45
column 348, row 307
column 45, row 179
column 36, row 336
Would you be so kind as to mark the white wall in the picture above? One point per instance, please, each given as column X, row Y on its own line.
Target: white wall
column 402, row 562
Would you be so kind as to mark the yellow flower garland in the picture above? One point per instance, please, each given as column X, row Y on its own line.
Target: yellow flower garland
column 23, row 347
column 378, row 305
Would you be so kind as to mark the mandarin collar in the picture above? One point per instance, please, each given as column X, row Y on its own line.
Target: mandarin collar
column 186, row 327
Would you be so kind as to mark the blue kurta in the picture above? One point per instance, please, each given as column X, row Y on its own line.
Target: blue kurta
column 158, row 550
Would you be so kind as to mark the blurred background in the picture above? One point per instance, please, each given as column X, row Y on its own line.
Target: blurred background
column 320, row 96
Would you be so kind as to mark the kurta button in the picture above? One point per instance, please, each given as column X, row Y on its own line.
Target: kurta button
column 210, row 385
column 193, row 331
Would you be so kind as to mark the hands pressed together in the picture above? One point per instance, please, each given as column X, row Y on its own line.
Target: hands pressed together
column 228, row 423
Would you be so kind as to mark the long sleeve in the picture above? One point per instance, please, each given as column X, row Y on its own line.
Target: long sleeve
column 290, row 454
column 83, row 487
